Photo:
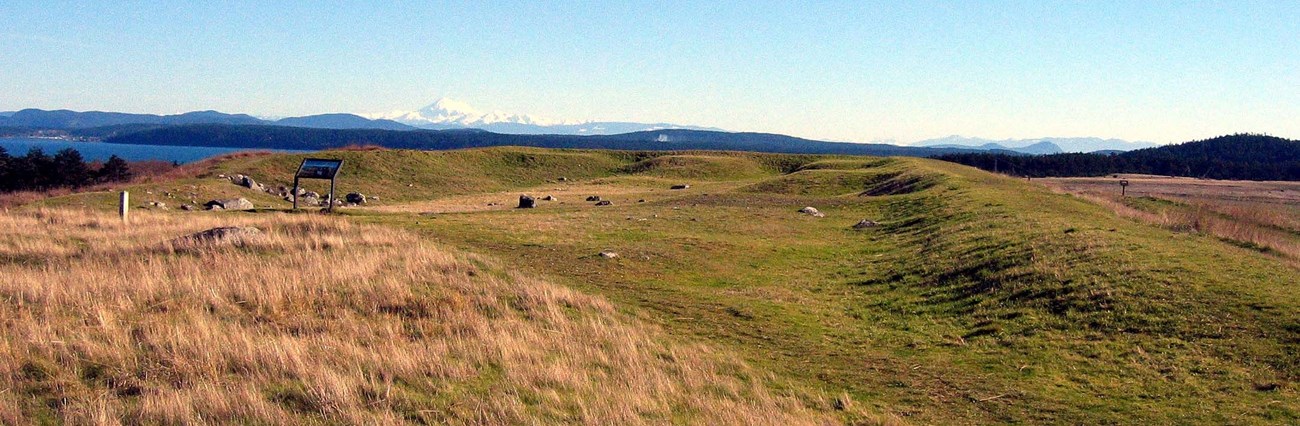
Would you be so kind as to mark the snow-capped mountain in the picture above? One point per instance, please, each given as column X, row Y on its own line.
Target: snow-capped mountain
column 449, row 113
column 1064, row 144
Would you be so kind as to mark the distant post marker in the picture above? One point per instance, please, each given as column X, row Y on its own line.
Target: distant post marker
column 1123, row 188
column 123, row 204
column 317, row 168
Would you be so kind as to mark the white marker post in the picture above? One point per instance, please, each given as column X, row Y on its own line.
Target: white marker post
column 123, row 205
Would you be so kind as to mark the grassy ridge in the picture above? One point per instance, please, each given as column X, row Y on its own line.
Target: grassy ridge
column 977, row 299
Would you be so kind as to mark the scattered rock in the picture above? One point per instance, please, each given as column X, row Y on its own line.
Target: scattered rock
column 812, row 212
column 608, row 254
column 229, row 204
column 355, row 198
column 864, row 224
column 527, row 202
column 681, row 186
column 232, row 235
column 249, row 183
column 604, row 203
column 1267, row 387
column 593, row 198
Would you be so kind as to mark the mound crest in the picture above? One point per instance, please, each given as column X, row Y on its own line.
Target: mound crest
column 696, row 167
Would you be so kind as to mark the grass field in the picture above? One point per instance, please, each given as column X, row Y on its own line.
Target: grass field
column 1260, row 215
column 323, row 320
column 977, row 299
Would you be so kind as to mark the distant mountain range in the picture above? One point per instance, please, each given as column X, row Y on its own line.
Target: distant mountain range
column 281, row 137
column 442, row 115
column 341, row 121
column 448, row 113
column 1039, row 146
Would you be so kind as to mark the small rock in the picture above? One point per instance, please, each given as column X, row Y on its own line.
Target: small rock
column 864, row 224
column 641, row 200
column 604, row 203
column 563, row 179
column 527, row 202
column 549, row 198
column 608, row 254
column 355, row 198
column 229, row 204
column 593, row 198
column 681, row 186
column 187, row 207
column 811, row 212
column 234, row 235
column 249, row 183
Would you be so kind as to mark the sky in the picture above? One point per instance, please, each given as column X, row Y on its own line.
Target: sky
column 848, row 71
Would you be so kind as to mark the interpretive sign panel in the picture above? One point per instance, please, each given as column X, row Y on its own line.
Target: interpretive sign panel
column 317, row 168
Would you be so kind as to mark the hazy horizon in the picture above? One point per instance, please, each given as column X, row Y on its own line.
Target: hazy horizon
column 843, row 72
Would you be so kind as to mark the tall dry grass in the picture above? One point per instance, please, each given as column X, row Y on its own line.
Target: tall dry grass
column 321, row 320
column 1261, row 225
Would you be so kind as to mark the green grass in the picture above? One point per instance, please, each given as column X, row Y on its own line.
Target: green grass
column 978, row 299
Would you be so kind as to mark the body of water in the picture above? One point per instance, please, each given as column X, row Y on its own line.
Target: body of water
column 101, row 151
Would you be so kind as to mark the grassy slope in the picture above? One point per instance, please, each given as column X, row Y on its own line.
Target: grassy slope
column 979, row 299
column 323, row 321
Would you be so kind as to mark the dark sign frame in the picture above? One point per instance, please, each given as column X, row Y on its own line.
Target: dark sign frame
column 317, row 168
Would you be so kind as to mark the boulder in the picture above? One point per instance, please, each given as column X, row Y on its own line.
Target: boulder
column 681, row 186
column 593, row 198
column 527, row 202
column 865, row 223
column 248, row 182
column 355, row 198
column 232, row 235
column 811, row 211
column 604, row 203
column 229, row 204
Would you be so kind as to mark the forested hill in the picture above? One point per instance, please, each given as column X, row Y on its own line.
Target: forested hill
column 1240, row 156
column 278, row 137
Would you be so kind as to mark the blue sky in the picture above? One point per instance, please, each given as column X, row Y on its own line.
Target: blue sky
column 855, row 71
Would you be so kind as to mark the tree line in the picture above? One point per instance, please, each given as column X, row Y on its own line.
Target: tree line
column 38, row 171
column 1239, row 156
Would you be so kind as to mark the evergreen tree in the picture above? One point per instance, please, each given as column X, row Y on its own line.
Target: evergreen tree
column 114, row 170
column 69, row 169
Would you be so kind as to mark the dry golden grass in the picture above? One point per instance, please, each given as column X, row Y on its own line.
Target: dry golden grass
column 1260, row 214
column 321, row 320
